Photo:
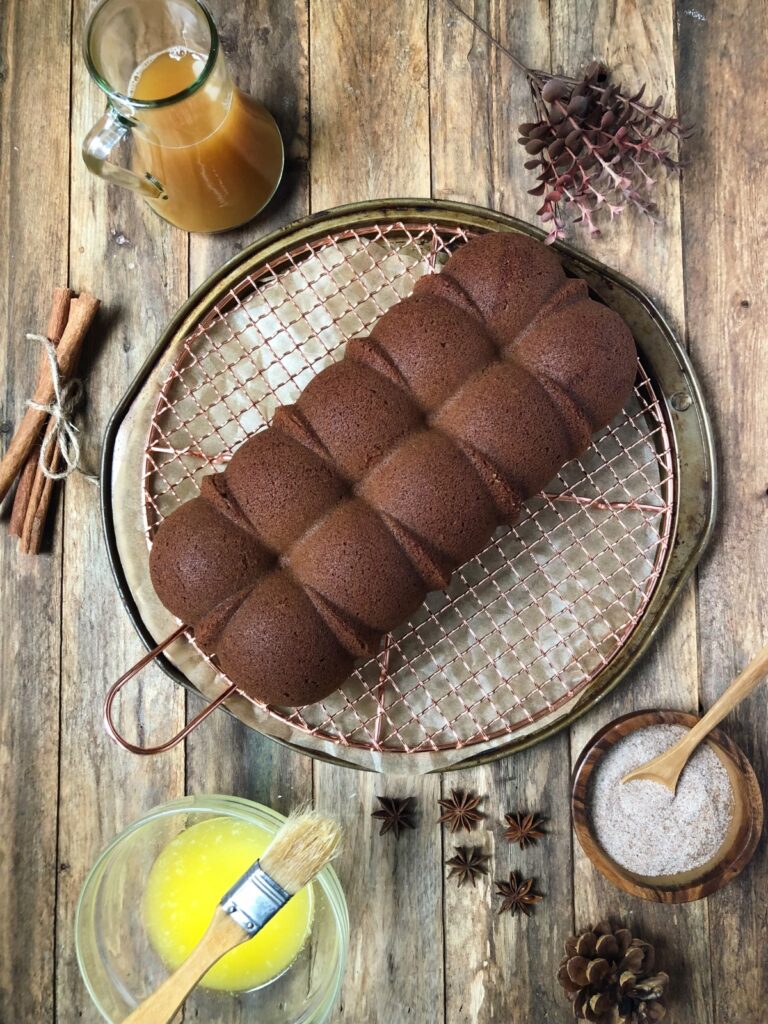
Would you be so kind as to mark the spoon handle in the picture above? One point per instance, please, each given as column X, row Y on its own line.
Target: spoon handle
column 741, row 687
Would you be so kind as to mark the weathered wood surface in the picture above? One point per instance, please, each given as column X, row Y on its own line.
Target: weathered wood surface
column 377, row 100
column 34, row 191
column 499, row 968
column 268, row 52
column 637, row 40
column 374, row 66
column 137, row 265
column 725, row 224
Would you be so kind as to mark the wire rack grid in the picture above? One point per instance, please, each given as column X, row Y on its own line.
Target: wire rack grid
column 526, row 625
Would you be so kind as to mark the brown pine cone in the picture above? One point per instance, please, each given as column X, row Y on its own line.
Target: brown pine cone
column 607, row 975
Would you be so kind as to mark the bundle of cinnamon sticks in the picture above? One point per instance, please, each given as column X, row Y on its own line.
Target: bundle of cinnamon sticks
column 69, row 321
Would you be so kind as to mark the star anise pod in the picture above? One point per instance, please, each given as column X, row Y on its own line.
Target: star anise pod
column 395, row 814
column 596, row 149
column 460, row 810
column 468, row 864
column 523, row 829
column 517, row 895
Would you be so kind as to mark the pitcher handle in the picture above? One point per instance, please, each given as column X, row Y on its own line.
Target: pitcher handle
column 99, row 143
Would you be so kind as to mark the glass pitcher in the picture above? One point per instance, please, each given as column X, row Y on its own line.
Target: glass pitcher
column 204, row 155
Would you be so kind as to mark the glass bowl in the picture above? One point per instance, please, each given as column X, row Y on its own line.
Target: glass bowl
column 119, row 966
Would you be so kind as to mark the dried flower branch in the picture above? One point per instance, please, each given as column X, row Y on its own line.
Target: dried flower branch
column 597, row 150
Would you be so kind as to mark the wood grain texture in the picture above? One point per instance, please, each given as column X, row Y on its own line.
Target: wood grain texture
column 478, row 98
column 680, row 934
column 370, row 137
column 394, row 892
column 403, row 98
column 725, row 229
column 666, row 768
column 137, row 265
column 370, row 109
column 499, row 968
column 637, row 43
column 33, row 260
column 266, row 47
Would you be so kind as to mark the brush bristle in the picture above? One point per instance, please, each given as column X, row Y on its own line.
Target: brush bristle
column 301, row 849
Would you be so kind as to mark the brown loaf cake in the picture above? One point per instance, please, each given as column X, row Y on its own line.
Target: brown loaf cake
column 394, row 467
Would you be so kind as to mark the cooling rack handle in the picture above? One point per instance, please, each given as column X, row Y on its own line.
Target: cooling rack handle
column 116, row 687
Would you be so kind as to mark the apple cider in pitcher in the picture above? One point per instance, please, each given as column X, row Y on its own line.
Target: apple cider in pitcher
column 204, row 155
column 216, row 152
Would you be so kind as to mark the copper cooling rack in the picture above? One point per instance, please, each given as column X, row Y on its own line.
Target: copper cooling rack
column 528, row 632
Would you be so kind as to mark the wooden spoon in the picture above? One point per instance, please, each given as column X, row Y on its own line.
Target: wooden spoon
column 666, row 768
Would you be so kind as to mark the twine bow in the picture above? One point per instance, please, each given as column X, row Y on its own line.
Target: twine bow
column 64, row 432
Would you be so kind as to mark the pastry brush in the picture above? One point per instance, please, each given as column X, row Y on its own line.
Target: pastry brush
column 298, row 852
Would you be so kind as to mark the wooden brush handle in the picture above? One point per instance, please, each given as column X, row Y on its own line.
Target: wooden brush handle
column 162, row 1006
column 740, row 688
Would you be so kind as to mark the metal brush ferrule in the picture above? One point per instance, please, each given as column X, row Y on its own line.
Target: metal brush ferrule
column 254, row 899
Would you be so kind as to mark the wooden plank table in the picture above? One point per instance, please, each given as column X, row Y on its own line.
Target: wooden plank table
column 379, row 100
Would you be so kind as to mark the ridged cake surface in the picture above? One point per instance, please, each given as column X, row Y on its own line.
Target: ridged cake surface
column 327, row 529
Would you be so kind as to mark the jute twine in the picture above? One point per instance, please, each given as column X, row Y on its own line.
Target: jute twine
column 64, row 432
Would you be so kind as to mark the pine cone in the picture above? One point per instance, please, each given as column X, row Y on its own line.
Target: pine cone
column 595, row 148
column 608, row 977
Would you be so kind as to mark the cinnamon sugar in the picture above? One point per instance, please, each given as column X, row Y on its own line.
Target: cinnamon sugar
column 641, row 825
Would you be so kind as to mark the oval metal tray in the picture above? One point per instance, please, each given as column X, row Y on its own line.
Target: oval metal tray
column 533, row 631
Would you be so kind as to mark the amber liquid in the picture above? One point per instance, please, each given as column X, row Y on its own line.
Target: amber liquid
column 217, row 153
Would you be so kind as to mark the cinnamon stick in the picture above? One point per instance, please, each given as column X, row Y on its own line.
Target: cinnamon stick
column 31, row 544
column 23, row 493
column 33, row 541
column 57, row 321
column 41, row 492
column 81, row 313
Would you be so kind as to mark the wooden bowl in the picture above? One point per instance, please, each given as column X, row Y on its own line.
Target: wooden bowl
column 736, row 849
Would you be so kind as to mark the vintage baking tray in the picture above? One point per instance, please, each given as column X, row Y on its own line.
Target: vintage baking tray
column 533, row 631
